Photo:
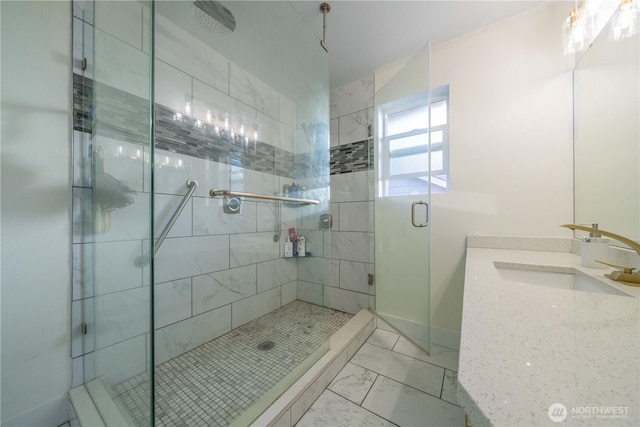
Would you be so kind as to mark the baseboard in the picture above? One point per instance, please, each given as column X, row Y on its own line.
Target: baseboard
column 415, row 332
column 50, row 414
column 439, row 336
column 445, row 337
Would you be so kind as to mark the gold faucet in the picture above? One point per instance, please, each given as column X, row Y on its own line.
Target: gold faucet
column 623, row 274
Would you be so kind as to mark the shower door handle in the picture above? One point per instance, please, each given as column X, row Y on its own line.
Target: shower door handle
column 413, row 214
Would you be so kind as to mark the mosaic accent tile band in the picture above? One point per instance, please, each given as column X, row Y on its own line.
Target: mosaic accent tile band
column 185, row 136
column 120, row 115
column 354, row 157
column 116, row 114
column 214, row 383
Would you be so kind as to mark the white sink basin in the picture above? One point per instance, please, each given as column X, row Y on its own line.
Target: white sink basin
column 564, row 278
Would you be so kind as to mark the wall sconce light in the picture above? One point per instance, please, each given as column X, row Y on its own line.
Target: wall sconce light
column 625, row 22
column 585, row 22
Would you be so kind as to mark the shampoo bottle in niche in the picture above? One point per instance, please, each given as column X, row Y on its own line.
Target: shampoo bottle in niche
column 288, row 248
column 593, row 248
column 301, row 247
column 293, row 238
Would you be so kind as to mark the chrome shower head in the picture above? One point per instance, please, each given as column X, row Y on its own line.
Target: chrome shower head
column 214, row 16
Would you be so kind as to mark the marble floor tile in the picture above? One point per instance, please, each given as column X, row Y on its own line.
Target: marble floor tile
column 450, row 387
column 440, row 356
column 406, row 406
column 335, row 411
column 384, row 339
column 353, row 382
column 406, row 369
column 402, row 386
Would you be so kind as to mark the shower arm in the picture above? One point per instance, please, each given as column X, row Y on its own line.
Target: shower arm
column 143, row 260
column 325, row 8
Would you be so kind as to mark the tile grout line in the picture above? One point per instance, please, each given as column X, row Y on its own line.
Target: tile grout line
column 410, row 386
column 360, row 406
column 369, row 391
column 406, row 355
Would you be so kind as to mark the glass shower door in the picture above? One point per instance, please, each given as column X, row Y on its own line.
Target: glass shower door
column 112, row 320
column 402, row 200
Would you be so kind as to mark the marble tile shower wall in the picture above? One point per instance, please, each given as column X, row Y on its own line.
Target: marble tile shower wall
column 215, row 271
column 350, row 242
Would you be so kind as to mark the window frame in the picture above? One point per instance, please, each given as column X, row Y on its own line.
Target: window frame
column 414, row 101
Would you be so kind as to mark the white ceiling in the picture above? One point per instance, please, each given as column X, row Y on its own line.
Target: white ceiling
column 363, row 36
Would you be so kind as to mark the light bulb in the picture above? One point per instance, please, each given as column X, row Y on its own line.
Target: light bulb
column 625, row 22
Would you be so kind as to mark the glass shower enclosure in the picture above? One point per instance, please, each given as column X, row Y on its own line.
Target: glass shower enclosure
column 403, row 159
column 113, row 204
column 186, row 306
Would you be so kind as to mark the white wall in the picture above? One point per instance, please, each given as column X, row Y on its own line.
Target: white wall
column 511, row 143
column 36, row 205
column 511, row 148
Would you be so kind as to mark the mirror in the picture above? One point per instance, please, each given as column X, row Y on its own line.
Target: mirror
column 606, row 95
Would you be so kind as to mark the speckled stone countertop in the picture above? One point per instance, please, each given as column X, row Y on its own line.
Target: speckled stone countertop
column 527, row 348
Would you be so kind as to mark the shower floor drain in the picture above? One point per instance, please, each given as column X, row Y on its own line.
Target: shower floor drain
column 266, row 345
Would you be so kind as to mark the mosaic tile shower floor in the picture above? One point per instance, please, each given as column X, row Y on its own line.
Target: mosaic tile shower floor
column 214, row 383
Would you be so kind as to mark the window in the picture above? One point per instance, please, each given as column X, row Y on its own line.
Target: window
column 404, row 147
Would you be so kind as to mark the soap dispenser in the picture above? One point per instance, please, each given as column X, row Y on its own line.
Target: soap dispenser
column 593, row 248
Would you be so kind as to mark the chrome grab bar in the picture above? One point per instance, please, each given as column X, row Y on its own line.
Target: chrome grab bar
column 192, row 184
column 231, row 193
column 143, row 260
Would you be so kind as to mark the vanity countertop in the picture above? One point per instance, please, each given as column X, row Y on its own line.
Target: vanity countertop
column 525, row 348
